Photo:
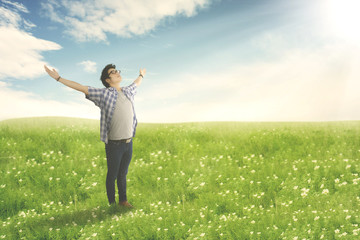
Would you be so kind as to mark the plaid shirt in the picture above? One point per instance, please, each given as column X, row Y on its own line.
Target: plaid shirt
column 105, row 99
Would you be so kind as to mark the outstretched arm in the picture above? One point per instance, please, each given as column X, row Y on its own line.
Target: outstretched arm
column 74, row 85
column 141, row 76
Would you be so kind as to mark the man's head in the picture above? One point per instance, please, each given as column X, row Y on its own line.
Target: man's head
column 110, row 75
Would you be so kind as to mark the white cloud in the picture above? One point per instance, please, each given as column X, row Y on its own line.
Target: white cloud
column 20, row 51
column 16, row 6
column 15, row 104
column 302, row 85
column 89, row 66
column 92, row 20
column 9, row 18
column 21, row 58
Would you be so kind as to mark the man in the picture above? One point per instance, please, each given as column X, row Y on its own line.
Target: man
column 117, row 124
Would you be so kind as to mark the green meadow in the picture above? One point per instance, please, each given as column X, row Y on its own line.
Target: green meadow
column 228, row 180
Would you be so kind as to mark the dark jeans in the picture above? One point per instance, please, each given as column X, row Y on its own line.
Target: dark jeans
column 118, row 155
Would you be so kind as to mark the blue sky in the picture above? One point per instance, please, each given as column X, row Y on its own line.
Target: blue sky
column 206, row 60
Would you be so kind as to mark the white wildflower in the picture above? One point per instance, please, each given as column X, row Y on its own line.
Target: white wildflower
column 325, row 191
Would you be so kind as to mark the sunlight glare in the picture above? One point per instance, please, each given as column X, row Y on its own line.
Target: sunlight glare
column 344, row 18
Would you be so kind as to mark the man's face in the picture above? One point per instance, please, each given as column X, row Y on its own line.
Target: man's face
column 114, row 76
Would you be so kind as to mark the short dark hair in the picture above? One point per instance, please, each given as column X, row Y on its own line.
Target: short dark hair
column 105, row 74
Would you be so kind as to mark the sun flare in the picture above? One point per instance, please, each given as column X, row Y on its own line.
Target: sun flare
column 343, row 18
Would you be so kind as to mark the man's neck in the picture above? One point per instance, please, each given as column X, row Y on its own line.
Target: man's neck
column 116, row 86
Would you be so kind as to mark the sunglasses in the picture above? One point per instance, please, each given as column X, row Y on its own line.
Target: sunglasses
column 114, row 71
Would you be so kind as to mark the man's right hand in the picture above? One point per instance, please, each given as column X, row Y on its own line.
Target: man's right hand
column 52, row 73
column 71, row 84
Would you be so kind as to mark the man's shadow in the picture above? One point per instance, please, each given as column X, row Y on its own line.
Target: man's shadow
column 78, row 217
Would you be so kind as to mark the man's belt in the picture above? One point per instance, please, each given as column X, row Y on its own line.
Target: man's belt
column 120, row 141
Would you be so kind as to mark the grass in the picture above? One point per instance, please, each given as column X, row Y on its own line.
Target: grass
column 187, row 181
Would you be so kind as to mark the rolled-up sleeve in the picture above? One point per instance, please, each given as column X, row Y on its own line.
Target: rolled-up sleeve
column 130, row 90
column 95, row 95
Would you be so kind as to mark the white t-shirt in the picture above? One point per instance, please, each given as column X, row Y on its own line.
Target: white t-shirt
column 121, row 126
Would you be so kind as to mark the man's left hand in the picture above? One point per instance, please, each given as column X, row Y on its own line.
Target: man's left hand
column 143, row 71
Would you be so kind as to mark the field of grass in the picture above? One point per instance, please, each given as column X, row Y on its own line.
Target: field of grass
column 186, row 181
